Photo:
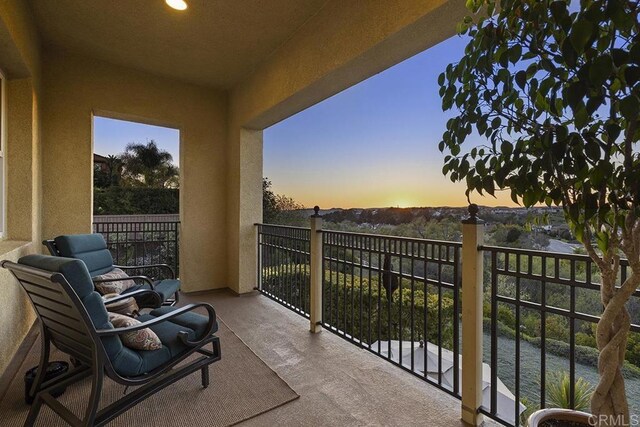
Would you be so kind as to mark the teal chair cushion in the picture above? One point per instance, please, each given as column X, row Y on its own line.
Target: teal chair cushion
column 191, row 323
column 90, row 248
column 191, row 320
column 125, row 361
column 77, row 275
column 167, row 288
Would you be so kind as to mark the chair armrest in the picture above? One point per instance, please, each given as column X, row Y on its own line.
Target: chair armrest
column 121, row 279
column 142, row 267
column 182, row 334
column 133, row 294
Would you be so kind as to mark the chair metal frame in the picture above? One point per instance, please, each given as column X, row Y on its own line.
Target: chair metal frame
column 65, row 323
column 54, row 251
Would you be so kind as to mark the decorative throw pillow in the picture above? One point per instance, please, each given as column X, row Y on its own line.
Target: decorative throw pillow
column 143, row 339
column 115, row 287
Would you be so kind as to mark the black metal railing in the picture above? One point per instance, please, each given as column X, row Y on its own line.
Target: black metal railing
column 284, row 265
column 142, row 243
column 398, row 298
column 540, row 313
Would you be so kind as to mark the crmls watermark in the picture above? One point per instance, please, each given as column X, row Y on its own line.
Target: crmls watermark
column 613, row 420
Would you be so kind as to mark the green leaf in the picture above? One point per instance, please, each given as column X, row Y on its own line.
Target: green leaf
column 574, row 93
column 634, row 53
column 515, row 52
column 630, row 107
column 579, row 232
column 574, row 212
column 600, row 70
column 616, row 12
column 569, row 53
column 581, row 118
column 521, row 79
column 602, row 240
column 529, row 199
column 632, row 75
column 620, row 56
column 592, row 150
column 506, row 148
column 558, row 10
column 581, row 31
column 613, row 131
column 514, row 197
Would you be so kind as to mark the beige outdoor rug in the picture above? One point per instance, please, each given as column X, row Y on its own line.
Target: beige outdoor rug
column 242, row 386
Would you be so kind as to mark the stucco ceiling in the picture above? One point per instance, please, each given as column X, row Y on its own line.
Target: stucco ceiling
column 214, row 42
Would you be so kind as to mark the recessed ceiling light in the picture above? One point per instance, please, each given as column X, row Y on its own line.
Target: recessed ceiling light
column 177, row 4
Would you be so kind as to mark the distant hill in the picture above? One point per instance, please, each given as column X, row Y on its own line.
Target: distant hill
column 395, row 216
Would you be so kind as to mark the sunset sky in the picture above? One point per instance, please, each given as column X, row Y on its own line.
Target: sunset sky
column 111, row 136
column 373, row 145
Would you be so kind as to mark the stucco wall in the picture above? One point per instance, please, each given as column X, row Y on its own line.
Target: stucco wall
column 50, row 135
column 345, row 43
column 75, row 87
column 20, row 61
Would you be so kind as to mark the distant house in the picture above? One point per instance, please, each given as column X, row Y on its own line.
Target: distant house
column 100, row 163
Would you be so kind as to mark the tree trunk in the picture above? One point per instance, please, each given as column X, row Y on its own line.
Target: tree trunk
column 609, row 401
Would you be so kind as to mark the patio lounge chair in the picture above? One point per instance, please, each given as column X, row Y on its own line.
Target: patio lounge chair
column 92, row 249
column 73, row 317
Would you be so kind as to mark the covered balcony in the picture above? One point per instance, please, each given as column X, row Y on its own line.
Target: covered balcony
column 221, row 72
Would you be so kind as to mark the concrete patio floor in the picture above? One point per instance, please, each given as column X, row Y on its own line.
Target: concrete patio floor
column 338, row 383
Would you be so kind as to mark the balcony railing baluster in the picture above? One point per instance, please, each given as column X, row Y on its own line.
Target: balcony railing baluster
column 139, row 243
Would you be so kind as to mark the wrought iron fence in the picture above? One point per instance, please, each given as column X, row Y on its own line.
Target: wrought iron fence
column 540, row 313
column 284, row 265
column 140, row 243
column 398, row 298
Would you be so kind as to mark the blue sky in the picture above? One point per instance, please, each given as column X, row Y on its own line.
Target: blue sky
column 110, row 136
column 372, row 145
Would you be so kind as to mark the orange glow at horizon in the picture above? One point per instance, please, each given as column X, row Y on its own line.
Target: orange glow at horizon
column 374, row 144
column 421, row 194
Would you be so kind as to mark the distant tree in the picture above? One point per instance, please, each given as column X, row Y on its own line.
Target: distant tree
column 269, row 210
column 513, row 234
column 145, row 165
column 109, row 177
column 278, row 208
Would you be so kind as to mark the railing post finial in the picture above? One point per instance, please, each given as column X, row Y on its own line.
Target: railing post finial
column 316, row 212
column 473, row 215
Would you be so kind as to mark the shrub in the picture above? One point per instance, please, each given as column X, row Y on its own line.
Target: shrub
column 116, row 200
column 558, row 391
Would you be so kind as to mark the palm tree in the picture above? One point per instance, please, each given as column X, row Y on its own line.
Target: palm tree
column 147, row 165
column 114, row 169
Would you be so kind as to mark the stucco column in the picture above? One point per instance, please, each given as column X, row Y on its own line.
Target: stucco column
column 245, row 207
column 20, row 161
column 472, row 266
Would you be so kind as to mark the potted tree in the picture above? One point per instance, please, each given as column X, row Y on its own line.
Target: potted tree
column 556, row 93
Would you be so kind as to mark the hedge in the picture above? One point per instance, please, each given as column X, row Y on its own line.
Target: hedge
column 135, row 201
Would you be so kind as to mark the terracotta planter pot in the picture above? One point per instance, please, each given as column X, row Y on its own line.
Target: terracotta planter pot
column 559, row 414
